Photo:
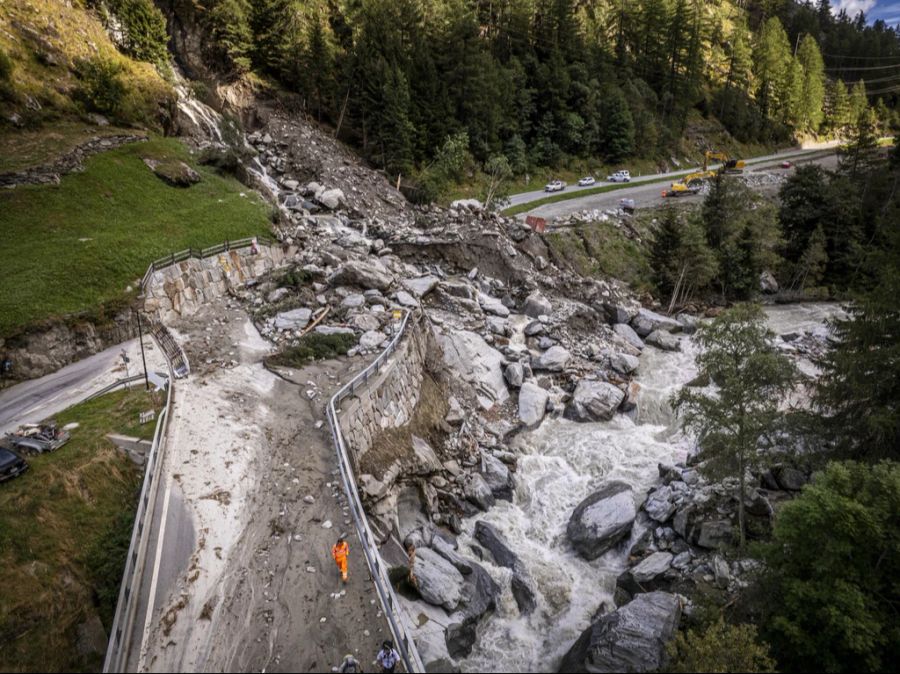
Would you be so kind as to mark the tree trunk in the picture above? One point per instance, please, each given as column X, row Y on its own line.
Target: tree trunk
column 741, row 491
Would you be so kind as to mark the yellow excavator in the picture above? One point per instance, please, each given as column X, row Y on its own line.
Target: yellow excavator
column 691, row 183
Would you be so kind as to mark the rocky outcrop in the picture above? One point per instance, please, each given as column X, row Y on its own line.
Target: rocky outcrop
column 632, row 638
column 467, row 354
column 602, row 520
column 594, row 401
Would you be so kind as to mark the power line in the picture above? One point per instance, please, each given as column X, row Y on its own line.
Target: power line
column 853, row 68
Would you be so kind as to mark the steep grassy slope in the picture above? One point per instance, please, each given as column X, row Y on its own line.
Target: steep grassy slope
column 84, row 242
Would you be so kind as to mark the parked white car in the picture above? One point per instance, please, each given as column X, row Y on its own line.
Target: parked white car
column 619, row 177
column 555, row 186
column 588, row 180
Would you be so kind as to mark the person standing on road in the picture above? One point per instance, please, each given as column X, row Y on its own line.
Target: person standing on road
column 340, row 552
column 387, row 657
column 350, row 665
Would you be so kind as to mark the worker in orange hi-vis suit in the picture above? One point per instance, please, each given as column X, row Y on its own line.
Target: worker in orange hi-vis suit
column 340, row 552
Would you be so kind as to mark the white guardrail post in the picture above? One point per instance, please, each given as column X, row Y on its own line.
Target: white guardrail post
column 389, row 603
column 119, row 645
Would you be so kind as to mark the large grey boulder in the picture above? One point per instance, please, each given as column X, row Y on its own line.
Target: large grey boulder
column 365, row 274
column 406, row 300
column 648, row 576
column 331, row 199
column 424, row 458
column 492, row 305
column 627, row 333
column 663, row 340
column 532, row 403
column 420, row 286
column 714, row 534
column 602, row 520
column 437, row 580
column 553, row 359
column 537, row 305
column 478, row 363
column 594, row 401
column 647, row 321
column 479, row 598
column 448, row 552
column 632, row 638
column 371, row 339
column 296, row 319
column 521, row 584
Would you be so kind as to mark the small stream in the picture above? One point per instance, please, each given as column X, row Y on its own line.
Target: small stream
column 561, row 463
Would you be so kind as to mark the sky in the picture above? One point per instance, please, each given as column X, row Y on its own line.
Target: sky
column 887, row 10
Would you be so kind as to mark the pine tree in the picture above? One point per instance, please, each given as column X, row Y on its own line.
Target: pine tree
column 859, row 102
column 772, row 57
column 813, row 95
column 838, row 107
column 617, row 125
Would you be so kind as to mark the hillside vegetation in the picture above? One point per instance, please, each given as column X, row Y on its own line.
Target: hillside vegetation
column 82, row 243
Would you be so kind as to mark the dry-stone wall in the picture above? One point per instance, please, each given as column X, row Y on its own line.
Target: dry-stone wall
column 389, row 398
column 181, row 289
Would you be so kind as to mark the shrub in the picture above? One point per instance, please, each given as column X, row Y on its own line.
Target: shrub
column 719, row 648
column 6, row 66
column 101, row 89
column 313, row 347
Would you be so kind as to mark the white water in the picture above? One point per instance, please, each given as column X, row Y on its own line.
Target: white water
column 561, row 463
column 201, row 115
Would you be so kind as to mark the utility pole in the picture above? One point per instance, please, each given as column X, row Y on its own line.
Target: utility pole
column 143, row 357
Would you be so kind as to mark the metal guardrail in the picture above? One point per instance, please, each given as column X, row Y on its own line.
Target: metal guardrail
column 119, row 644
column 116, row 384
column 389, row 603
column 201, row 253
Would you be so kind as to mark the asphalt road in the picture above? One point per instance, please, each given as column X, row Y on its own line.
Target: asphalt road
column 527, row 197
column 648, row 195
column 38, row 399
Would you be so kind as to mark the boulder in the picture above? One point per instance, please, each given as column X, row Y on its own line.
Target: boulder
column 424, row 457
column 420, row 286
column 602, row 520
column 497, row 476
column 647, row 321
column 296, row 319
column 532, row 403
column 659, row 505
column 647, row 576
column 594, row 401
column 468, row 204
column 353, row 301
column 333, row 330
column 365, row 274
column 492, row 305
column 553, row 359
column 365, row 322
column 624, row 363
column 497, row 325
column 767, row 282
column 632, row 638
column 174, row 172
column 478, row 363
column 448, row 552
column 514, row 374
column 331, row 199
column 714, row 534
column 477, row 491
column 663, row 340
column 406, row 300
column 479, row 598
column 521, row 584
column 533, row 329
column 618, row 313
column 371, row 339
column 689, row 324
column 437, row 580
column 627, row 333
column 537, row 305
column 277, row 295
column 789, row 479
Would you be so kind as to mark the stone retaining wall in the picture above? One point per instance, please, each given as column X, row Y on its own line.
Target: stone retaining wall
column 182, row 288
column 390, row 397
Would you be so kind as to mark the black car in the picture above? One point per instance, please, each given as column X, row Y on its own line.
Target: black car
column 11, row 465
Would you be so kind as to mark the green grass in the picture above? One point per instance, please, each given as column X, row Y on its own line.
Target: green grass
column 313, row 347
column 24, row 149
column 73, row 246
column 64, row 531
column 602, row 250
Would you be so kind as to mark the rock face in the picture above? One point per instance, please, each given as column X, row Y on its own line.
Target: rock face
column 521, row 584
column 553, row 359
column 532, row 403
column 632, row 638
column 365, row 274
column 602, row 520
column 647, row 321
column 478, row 363
column 594, row 401
column 537, row 305
column 436, row 579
